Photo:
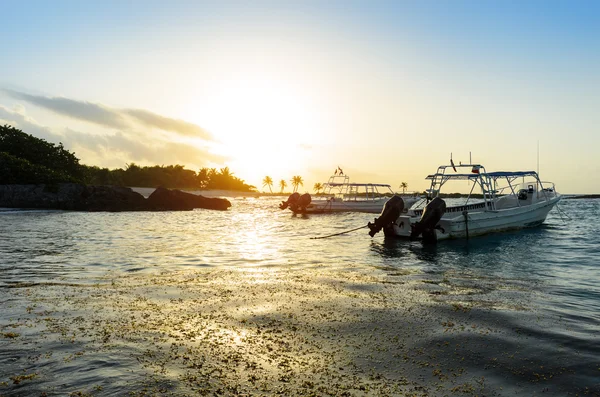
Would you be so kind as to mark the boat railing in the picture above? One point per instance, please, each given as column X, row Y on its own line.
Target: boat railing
column 548, row 186
column 353, row 194
column 337, row 184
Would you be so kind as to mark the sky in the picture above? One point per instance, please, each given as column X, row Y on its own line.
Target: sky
column 386, row 90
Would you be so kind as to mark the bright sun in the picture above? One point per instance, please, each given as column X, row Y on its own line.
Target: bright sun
column 265, row 126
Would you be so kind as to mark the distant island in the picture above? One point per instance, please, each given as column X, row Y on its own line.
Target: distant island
column 25, row 159
column 583, row 196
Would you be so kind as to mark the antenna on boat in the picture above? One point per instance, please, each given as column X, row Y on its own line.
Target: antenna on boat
column 538, row 157
column 470, row 161
column 538, row 166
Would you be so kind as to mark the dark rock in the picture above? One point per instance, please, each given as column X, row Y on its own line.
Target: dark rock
column 110, row 198
column 176, row 200
column 60, row 196
column 71, row 196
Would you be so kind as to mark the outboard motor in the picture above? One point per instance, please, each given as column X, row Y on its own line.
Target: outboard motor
column 293, row 199
column 431, row 216
column 391, row 211
column 302, row 203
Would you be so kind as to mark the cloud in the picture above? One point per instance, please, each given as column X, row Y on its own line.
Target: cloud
column 112, row 117
column 18, row 119
column 113, row 149
column 168, row 124
column 132, row 148
column 81, row 110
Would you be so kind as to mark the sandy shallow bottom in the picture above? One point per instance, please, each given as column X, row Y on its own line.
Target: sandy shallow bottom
column 262, row 331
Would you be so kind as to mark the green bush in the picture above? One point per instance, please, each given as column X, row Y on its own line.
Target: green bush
column 14, row 170
column 38, row 152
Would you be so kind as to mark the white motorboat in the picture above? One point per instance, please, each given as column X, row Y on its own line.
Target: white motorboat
column 507, row 200
column 341, row 195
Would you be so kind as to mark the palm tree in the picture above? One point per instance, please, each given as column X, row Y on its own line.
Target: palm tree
column 297, row 181
column 282, row 184
column 267, row 181
column 226, row 173
column 318, row 187
column 404, row 185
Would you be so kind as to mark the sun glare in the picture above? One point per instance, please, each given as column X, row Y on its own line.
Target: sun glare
column 265, row 126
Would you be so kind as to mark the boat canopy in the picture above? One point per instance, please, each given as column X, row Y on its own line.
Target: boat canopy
column 496, row 174
column 358, row 184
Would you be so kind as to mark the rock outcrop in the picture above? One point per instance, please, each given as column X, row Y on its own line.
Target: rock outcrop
column 165, row 199
column 76, row 197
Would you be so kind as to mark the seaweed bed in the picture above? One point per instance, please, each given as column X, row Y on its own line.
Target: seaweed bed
column 297, row 332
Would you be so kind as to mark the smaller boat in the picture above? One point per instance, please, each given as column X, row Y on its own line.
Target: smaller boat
column 341, row 195
column 503, row 204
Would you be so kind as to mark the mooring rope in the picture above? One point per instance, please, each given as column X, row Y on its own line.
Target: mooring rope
column 561, row 212
column 337, row 234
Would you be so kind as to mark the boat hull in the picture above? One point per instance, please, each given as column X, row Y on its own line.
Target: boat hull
column 475, row 223
column 335, row 205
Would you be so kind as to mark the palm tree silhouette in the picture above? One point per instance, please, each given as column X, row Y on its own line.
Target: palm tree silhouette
column 282, row 184
column 267, row 181
column 404, row 185
column 226, row 173
column 318, row 187
column 297, row 181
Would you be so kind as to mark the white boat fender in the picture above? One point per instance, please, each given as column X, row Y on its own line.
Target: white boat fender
column 391, row 211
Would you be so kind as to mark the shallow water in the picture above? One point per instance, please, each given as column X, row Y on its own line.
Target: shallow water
column 549, row 275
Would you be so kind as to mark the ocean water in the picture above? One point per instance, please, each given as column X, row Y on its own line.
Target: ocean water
column 538, row 289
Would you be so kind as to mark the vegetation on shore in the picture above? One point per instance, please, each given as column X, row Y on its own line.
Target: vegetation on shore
column 25, row 159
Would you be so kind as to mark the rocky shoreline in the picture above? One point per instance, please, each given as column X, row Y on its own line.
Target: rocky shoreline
column 78, row 197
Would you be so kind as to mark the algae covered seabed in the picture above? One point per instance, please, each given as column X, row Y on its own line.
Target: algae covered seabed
column 288, row 331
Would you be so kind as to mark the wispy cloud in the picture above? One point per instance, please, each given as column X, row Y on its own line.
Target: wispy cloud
column 18, row 118
column 132, row 148
column 81, row 110
column 168, row 124
column 111, row 117
column 115, row 148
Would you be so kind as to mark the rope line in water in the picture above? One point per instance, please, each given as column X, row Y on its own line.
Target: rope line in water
column 561, row 212
column 337, row 234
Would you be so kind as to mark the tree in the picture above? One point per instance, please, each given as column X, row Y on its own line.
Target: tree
column 202, row 178
column 226, row 173
column 267, row 181
column 404, row 185
column 282, row 184
column 318, row 186
column 27, row 159
column 15, row 170
column 38, row 152
column 297, row 181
